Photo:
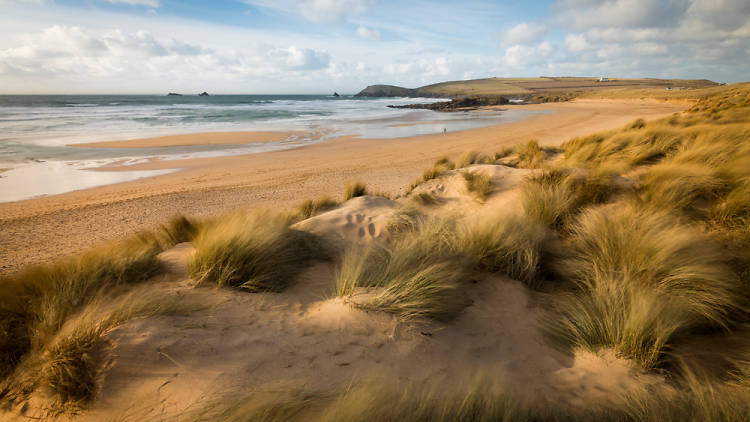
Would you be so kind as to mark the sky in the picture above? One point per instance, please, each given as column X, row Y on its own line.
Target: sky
column 321, row 46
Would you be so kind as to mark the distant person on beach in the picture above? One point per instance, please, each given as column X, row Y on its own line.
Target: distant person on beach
column 445, row 131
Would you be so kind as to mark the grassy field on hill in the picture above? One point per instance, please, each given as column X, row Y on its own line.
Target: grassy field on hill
column 544, row 89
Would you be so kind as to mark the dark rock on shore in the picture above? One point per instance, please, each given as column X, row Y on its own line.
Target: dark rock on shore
column 336, row 94
column 203, row 94
column 174, row 94
column 458, row 104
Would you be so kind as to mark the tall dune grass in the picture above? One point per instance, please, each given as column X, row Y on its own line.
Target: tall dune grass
column 478, row 183
column 178, row 229
column 68, row 366
column 530, row 154
column 554, row 196
column 504, row 243
column 643, row 278
column 441, row 166
column 257, row 252
column 682, row 187
column 472, row 157
column 313, row 207
column 36, row 303
column 420, row 275
column 354, row 190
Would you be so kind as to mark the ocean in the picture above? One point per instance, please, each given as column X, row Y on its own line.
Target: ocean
column 36, row 129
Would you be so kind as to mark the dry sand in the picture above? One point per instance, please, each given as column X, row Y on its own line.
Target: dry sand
column 39, row 230
column 205, row 138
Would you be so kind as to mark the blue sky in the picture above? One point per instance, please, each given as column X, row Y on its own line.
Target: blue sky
column 320, row 46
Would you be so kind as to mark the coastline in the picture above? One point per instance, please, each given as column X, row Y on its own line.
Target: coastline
column 203, row 187
column 201, row 138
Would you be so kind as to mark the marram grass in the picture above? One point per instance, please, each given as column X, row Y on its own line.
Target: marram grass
column 354, row 190
column 257, row 252
column 420, row 275
column 508, row 244
column 643, row 279
column 36, row 303
column 478, row 183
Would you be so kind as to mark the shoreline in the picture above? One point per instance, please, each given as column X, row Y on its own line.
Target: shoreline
column 198, row 139
column 204, row 187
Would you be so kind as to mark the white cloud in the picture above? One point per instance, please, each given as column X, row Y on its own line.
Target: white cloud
column 523, row 33
column 300, row 59
column 333, row 10
column 75, row 55
column 583, row 14
column 320, row 11
column 576, row 43
column 526, row 55
column 366, row 33
column 664, row 38
column 149, row 3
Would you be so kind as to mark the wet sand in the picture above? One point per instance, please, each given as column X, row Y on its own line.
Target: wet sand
column 205, row 138
column 41, row 229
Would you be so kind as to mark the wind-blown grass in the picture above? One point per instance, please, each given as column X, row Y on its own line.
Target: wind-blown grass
column 313, row 207
column 63, row 360
column 441, row 166
column 509, row 244
column 256, row 252
column 643, row 278
column 354, row 190
column 680, row 186
column 472, row 157
column 69, row 366
column 36, row 303
column 699, row 398
column 478, row 183
column 530, row 154
column 554, row 196
column 178, row 229
column 420, row 275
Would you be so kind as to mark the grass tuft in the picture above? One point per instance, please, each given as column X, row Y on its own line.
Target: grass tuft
column 35, row 304
column 179, row 229
column 643, row 278
column 478, row 183
column 530, row 154
column 313, row 207
column 683, row 187
column 420, row 275
column 256, row 252
column 441, row 166
column 508, row 244
column 554, row 196
column 354, row 190
column 471, row 157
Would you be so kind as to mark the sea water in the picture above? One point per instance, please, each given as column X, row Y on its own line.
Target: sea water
column 35, row 130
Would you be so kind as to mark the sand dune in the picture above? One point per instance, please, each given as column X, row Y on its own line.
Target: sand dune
column 241, row 345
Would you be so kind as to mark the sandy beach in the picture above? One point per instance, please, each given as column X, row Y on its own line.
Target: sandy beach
column 205, row 138
column 38, row 230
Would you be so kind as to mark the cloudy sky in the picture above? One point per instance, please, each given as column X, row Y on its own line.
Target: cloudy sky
column 318, row 46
